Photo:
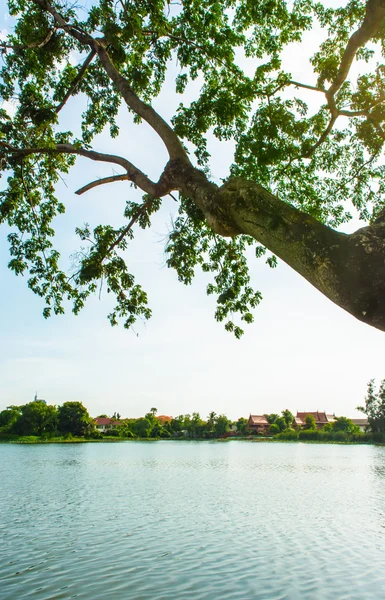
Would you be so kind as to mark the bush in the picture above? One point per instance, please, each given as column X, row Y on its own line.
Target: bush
column 274, row 429
column 112, row 433
column 340, row 436
column 288, row 434
column 94, row 435
column 378, row 436
column 309, row 434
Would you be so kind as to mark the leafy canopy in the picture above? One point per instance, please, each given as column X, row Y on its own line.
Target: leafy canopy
column 234, row 49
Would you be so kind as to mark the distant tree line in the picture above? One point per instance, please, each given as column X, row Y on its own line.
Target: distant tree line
column 72, row 419
column 188, row 426
column 44, row 420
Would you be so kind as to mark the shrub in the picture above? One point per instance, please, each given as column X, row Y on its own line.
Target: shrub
column 288, row 434
column 112, row 433
column 309, row 434
column 274, row 429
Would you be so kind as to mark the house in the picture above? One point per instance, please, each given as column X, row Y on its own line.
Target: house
column 104, row 423
column 319, row 417
column 363, row 424
column 258, row 424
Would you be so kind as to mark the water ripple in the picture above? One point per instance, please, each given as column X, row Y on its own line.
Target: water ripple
column 145, row 521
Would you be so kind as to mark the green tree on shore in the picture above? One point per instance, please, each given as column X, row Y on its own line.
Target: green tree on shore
column 36, row 418
column 374, row 407
column 73, row 418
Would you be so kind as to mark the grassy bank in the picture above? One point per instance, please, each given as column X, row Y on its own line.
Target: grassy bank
column 32, row 439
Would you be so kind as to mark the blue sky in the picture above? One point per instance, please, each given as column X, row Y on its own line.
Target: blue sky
column 301, row 353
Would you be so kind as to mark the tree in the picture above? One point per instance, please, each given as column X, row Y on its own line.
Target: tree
column 142, row 427
column 345, row 424
column 36, row 418
column 296, row 173
column 74, row 419
column 274, row 429
column 288, row 418
column 211, row 424
column 272, row 418
column 194, row 425
column 310, row 422
column 242, row 425
column 374, row 407
column 9, row 416
column 222, row 425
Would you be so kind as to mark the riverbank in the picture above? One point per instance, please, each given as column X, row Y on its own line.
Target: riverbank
column 14, row 439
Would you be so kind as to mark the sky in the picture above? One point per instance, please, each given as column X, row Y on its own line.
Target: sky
column 302, row 352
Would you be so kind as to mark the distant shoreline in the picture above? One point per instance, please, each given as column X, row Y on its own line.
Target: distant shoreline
column 33, row 440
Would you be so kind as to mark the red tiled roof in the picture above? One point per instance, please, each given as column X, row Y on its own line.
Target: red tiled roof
column 320, row 417
column 105, row 421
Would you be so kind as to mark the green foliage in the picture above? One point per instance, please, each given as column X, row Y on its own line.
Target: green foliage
column 36, row 418
column 309, row 434
column 242, row 425
column 374, row 407
column 288, row 434
column 344, row 424
column 142, row 427
column 73, row 418
column 274, row 429
column 288, row 418
column 235, row 50
column 8, row 417
column 310, row 422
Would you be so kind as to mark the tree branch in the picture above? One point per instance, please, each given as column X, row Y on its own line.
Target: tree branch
column 323, row 137
column 77, row 79
column 306, row 86
column 374, row 15
column 133, row 173
column 98, row 182
column 126, row 229
column 4, row 46
column 163, row 129
column 143, row 110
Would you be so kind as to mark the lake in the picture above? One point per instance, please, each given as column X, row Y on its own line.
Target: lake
column 200, row 520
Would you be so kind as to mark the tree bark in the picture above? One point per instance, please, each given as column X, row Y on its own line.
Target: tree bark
column 347, row 269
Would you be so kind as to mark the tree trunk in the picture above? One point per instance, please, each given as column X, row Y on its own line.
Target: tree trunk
column 347, row 269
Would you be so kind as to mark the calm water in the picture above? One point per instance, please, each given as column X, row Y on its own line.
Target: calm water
column 179, row 520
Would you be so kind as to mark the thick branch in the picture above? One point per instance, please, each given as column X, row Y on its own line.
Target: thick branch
column 347, row 269
column 165, row 132
column 375, row 13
